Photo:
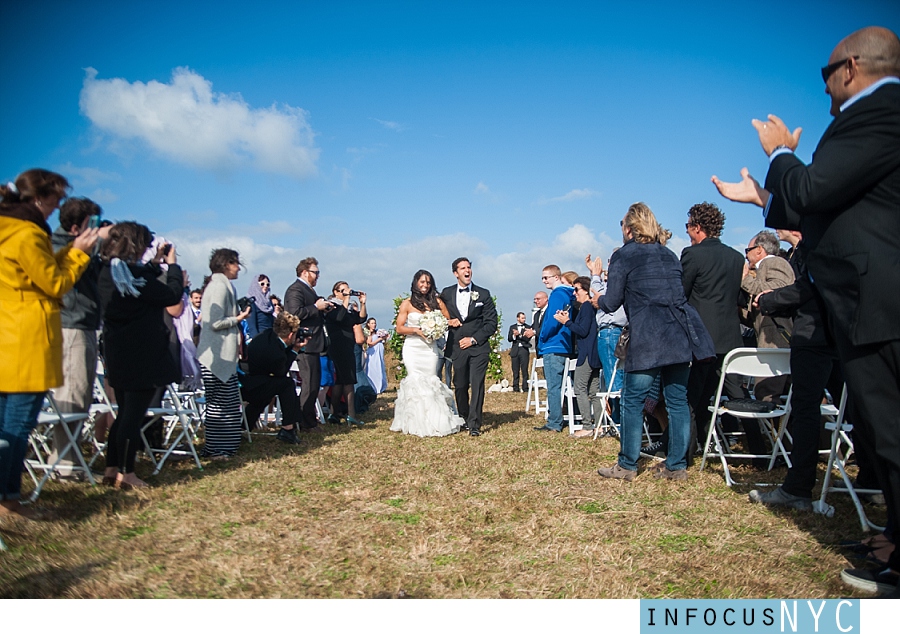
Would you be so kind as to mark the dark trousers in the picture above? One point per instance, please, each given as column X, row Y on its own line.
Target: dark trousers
column 310, row 377
column 812, row 370
column 124, row 437
column 468, row 373
column 873, row 379
column 259, row 397
column 519, row 358
column 702, row 385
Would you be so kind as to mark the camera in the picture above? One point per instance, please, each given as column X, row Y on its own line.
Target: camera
column 303, row 332
column 244, row 303
column 167, row 249
column 355, row 293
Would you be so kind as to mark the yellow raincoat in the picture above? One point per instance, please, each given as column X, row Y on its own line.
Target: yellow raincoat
column 32, row 282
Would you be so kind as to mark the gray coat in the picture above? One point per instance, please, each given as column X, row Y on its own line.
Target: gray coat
column 219, row 329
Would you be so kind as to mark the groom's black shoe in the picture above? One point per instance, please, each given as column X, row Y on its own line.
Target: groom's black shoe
column 474, row 432
column 464, row 427
column 545, row 428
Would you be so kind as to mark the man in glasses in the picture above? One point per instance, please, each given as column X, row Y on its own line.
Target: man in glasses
column 300, row 299
column 846, row 203
column 555, row 343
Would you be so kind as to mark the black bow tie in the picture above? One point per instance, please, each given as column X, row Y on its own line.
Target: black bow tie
column 464, row 289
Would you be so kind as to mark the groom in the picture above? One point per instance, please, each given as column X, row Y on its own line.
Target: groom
column 473, row 319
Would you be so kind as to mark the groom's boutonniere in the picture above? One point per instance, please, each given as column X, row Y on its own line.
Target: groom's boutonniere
column 474, row 296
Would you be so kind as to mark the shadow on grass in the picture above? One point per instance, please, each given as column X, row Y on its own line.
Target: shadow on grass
column 51, row 582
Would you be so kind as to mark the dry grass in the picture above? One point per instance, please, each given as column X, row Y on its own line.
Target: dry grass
column 370, row 513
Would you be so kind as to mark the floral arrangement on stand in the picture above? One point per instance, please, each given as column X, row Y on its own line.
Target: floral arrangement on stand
column 395, row 343
column 495, row 365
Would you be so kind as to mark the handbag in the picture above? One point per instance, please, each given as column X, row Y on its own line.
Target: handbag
column 621, row 350
column 749, row 405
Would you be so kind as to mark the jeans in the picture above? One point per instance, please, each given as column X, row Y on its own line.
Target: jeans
column 18, row 417
column 554, row 371
column 674, row 387
column 607, row 338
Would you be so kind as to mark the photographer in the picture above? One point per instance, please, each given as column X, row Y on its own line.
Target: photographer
column 217, row 352
column 269, row 357
column 339, row 323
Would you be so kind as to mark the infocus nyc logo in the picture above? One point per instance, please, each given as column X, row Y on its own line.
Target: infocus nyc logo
column 750, row 616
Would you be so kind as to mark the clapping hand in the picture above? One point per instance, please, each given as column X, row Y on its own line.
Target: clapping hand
column 562, row 316
column 595, row 266
column 748, row 190
column 773, row 133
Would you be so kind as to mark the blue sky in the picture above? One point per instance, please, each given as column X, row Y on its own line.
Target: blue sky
column 386, row 137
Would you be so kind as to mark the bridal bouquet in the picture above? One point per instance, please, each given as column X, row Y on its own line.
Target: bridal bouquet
column 433, row 325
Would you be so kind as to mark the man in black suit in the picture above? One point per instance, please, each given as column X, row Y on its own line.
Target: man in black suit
column 847, row 205
column 301, row 300
column 269, row 357
column 519, row 352
column 473, row 320
column 712, row 273
column 537, row 318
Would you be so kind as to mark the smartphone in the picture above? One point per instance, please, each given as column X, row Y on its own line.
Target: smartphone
column 94, row 222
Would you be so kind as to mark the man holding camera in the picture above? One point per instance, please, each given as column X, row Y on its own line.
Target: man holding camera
column 301, row 301
column 269, row 357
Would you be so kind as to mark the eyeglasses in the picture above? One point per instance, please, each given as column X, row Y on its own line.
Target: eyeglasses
column 312, row 272
column 544, row 278
column 688, row 225
column 828, row 71
column 265, row 284
column 749, row 249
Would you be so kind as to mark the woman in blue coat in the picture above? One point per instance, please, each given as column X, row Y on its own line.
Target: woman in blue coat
column 666, row 334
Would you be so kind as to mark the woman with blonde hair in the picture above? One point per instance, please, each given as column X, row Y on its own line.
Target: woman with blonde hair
column 33, row 280
column 666, row 334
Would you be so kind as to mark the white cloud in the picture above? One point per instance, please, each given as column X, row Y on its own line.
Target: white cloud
column 390, row 125
column 87, row 176
column 187, row 122
column 575, row 194
column 103, row 196
column 481, row 188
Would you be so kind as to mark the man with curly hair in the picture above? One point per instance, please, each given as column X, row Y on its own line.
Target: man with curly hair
column 712, row 273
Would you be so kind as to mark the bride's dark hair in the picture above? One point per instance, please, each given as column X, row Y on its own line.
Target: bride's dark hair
column 423, row 301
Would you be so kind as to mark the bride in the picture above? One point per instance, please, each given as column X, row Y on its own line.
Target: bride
column 424, row 406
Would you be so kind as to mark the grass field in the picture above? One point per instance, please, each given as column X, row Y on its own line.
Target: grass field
column 371, row 513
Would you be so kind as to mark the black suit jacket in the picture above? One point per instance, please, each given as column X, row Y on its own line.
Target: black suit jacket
column 267, row 357
column 847, row 205
column 711, row 273
column 481, row 322
column 300, row 300
column 801, row 301
column 518, row 341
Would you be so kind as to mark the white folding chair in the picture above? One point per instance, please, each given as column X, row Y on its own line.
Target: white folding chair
column 567, row 397
column 101, row 405
column 750, row 362
column 40, row 441
column 606, row 426
column 180, row 427
column 841, row 450
column 535, row 385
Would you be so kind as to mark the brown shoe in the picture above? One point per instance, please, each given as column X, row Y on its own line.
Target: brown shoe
column 14, row 508
column 662, row 471
column 617, row 472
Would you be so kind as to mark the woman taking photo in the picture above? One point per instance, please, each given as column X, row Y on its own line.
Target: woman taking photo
column 339, row 325
column 136, row 346
column 217, row 352
column 33, row 280
column 666, row 334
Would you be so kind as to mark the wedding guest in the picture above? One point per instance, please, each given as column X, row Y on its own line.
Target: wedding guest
column 300, row 299
column 80, row 316
column 262, row 310
column 375, row 369
column 609, row 329
column 33, row 280
column 587, row 369
column 519, row 352
column 339, row 323
column 191, row 376
column 555, row 344
column 196, row 299
column 667, row 334
column 218, row 355
column 136, row 348
column 277, row 306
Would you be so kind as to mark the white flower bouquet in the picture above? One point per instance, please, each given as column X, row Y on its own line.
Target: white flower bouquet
column 433, row 325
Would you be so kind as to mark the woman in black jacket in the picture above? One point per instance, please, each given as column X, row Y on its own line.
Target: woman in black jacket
column 135, row 338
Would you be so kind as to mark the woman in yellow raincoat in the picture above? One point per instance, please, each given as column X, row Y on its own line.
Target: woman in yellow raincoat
column 33, row 279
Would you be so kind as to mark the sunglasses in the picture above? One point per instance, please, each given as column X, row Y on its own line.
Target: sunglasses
column 749, row 249
column 828, row 71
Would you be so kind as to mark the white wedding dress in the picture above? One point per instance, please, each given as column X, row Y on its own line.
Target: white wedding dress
column 424, row 406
